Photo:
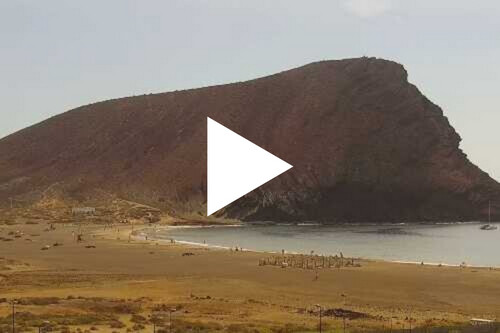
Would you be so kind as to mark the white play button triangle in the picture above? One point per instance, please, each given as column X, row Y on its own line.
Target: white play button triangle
column 235, row 166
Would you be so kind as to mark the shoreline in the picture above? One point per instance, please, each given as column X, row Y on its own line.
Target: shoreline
column 221, row 247
column 360, row 224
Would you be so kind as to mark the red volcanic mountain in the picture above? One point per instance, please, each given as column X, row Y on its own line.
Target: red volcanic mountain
column 365, row 144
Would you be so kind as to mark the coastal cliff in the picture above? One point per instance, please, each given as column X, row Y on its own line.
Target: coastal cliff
column 366, row 146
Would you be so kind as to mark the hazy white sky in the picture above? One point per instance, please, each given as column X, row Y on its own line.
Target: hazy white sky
column 56, row 55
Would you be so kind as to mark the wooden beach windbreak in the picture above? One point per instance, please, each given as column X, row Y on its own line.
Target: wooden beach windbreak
column 312, row 261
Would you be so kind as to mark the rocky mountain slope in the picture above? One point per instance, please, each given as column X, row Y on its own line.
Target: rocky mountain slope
column 365, row 144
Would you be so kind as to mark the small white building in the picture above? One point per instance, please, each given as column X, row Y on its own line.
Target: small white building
column 480, row 321
column 83, row 210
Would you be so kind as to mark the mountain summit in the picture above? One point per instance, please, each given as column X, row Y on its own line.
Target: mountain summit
column 365, row 144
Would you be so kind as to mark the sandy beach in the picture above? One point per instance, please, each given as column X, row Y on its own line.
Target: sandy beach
column 127, row 278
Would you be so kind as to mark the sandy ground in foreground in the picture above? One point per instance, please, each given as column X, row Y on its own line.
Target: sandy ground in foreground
column 230, row 287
